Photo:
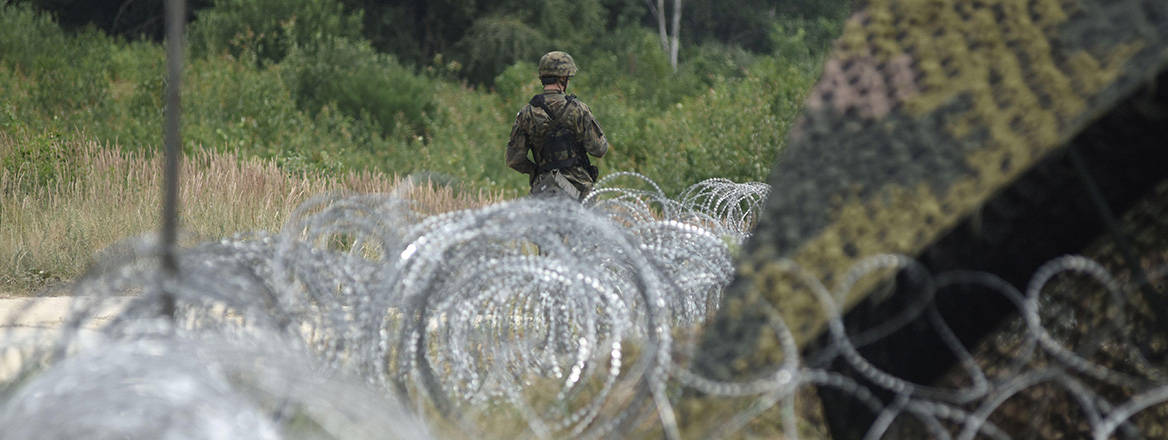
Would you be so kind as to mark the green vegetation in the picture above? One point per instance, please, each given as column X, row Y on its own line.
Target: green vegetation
column 415, row 87
column 286, row 98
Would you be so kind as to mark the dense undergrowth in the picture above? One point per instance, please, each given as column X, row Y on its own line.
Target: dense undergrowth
column 298, row 83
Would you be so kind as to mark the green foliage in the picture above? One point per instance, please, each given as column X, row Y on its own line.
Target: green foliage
column 37, row 163
column 314, row 95
column 464, row 141
column 268, row 29
column 28, row 39
column 9, row 121
column 623, row 13
column 229, row 105
column 803, row 38
column 359, row 82
column 742, row 23
column 812, row 9
column 517, row 84
column 232, row 107
column 64, row 66
column 638, row 68
column 121, row 18
column 748, row 23
column 525, row 30
column 418, row 31
column 726, row 113
column 493, row 43
column 487, row 36
column 572, row 24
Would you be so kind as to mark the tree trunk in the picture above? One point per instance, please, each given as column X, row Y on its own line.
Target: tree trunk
column 659, row 11
column 669, row 43
column 676, row 42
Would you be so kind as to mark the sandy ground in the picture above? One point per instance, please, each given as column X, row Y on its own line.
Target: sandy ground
column 48, row 312
column 26, row 322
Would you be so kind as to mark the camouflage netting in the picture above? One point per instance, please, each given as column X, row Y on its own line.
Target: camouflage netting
column 983, row 135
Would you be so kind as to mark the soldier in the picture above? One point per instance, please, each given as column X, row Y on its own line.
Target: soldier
column 560, row 132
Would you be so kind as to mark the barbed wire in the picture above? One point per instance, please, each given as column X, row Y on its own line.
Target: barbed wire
column 536, row 318
column 565, row 320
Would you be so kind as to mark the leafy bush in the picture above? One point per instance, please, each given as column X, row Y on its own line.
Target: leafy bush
column 28, row 39
column 68, row 68
column 493, row 43
column 231, row 106
column 36, row 162
column 804, row 39
column 359, row 82
column 638, row 69
column 572, row 24
column 267, row 30
column 327, row 101
column 724, row 114
column 517, row 84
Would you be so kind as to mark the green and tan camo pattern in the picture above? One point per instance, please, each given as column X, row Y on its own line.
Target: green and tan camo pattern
column 532, row 126
column 557, row 63
column 925, row 110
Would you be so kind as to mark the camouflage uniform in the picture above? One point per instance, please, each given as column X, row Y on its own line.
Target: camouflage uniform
column 531, row 131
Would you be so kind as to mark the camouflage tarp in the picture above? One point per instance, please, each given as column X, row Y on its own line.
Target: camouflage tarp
column 990, row 135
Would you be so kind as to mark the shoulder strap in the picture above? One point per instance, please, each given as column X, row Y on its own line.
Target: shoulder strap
column 556, row 146
column 541, row 102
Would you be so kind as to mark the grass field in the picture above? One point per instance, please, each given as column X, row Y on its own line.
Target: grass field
column 53, row 219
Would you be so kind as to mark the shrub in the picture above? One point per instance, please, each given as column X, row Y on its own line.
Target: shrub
column 517, row 84
column 229, row 105
column 69, row 69
column 636, row 67
column 571, row 24
column 465, row 139
column 494, row 43
column 360, row 82
column 39, row 161
column 267, row 30
column 28, row 39
column 9, row 121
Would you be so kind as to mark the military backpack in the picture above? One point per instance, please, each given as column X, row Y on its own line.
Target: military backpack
column 561, row 149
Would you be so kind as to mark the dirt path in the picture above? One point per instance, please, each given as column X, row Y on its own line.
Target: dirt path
column 48, row 312
column 26, row 322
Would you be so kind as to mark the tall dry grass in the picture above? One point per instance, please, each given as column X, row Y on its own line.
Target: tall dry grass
column 48, row 232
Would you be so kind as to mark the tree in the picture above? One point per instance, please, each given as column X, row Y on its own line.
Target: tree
column 493, row 43
column 131, row 19
column 669, row 42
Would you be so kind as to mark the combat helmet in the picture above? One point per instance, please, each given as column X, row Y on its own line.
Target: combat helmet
column 557, row 63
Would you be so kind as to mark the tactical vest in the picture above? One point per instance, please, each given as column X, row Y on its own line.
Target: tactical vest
column 561, row 149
